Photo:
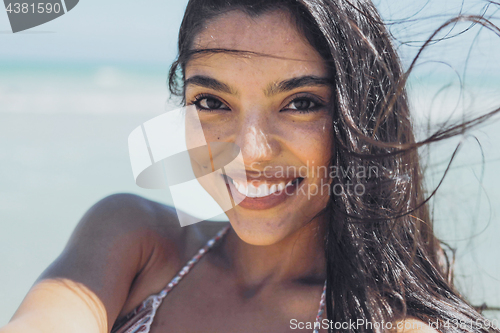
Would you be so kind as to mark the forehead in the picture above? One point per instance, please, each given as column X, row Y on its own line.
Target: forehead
column 271, row 33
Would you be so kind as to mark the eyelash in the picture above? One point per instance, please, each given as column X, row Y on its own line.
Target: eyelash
column 197, row 100
column 318, row 104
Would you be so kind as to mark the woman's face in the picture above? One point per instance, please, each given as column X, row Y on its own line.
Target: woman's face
column 275, row 108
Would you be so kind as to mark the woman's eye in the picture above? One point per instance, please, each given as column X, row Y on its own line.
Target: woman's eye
column 303, row 105
column 210, row 103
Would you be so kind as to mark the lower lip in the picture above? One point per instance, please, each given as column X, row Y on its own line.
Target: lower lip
column 267, row 202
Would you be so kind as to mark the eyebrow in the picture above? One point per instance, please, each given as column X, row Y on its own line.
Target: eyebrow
column 297, row 82
column 272, row 89
column 208, row 82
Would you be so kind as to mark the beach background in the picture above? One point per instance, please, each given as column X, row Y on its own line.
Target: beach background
column 72, row 90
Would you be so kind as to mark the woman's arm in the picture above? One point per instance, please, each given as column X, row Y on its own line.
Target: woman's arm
column 59, row 305
column 85, row 288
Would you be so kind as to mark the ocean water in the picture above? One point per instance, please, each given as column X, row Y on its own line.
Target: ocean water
column 63, row 146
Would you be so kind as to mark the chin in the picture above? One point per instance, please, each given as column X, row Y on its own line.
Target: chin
column 264, row 231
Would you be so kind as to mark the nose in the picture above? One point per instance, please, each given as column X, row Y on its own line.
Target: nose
column 255, row 140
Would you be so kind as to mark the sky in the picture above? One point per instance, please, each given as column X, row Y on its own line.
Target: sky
column 145, row 32
column 100, row 31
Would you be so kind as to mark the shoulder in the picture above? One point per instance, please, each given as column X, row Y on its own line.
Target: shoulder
column 413, row 325
column 90, row 280
column 136, row 232
column 128, row 219
column 145, row 239
column 150, row 227
column 124, row 248
column 119, row 221
column 123, row 212
column 127, row 213
column 114, row 241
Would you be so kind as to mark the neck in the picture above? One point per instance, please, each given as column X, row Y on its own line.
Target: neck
column 299, row 258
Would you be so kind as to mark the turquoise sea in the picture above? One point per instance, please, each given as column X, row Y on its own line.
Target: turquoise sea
column 63, row 146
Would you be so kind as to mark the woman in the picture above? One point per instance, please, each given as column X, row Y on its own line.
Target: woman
column 294, row 84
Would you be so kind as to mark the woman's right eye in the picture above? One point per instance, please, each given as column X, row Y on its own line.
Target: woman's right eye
column 208, row 103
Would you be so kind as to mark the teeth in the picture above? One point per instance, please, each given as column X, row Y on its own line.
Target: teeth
column 252, row 191
column 263, row 190
column 242, row 189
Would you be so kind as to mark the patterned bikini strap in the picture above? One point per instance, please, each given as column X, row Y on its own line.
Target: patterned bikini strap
column 141, row 318
column 317, row 323
column 205, row 249
column 193, row 261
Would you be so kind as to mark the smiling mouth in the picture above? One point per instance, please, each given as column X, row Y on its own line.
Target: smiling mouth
column 263, row 189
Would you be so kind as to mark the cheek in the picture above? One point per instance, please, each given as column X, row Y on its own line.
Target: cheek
column 311, row 142
column 218, row 126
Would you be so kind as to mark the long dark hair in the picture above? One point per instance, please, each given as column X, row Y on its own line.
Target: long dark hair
column 383, row 260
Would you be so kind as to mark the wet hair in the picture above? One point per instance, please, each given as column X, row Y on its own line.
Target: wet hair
column 384, row 262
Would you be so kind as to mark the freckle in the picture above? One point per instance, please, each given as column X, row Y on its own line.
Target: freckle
column 218, row 138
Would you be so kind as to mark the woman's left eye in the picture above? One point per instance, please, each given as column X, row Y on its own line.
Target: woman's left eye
column 303, row 105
